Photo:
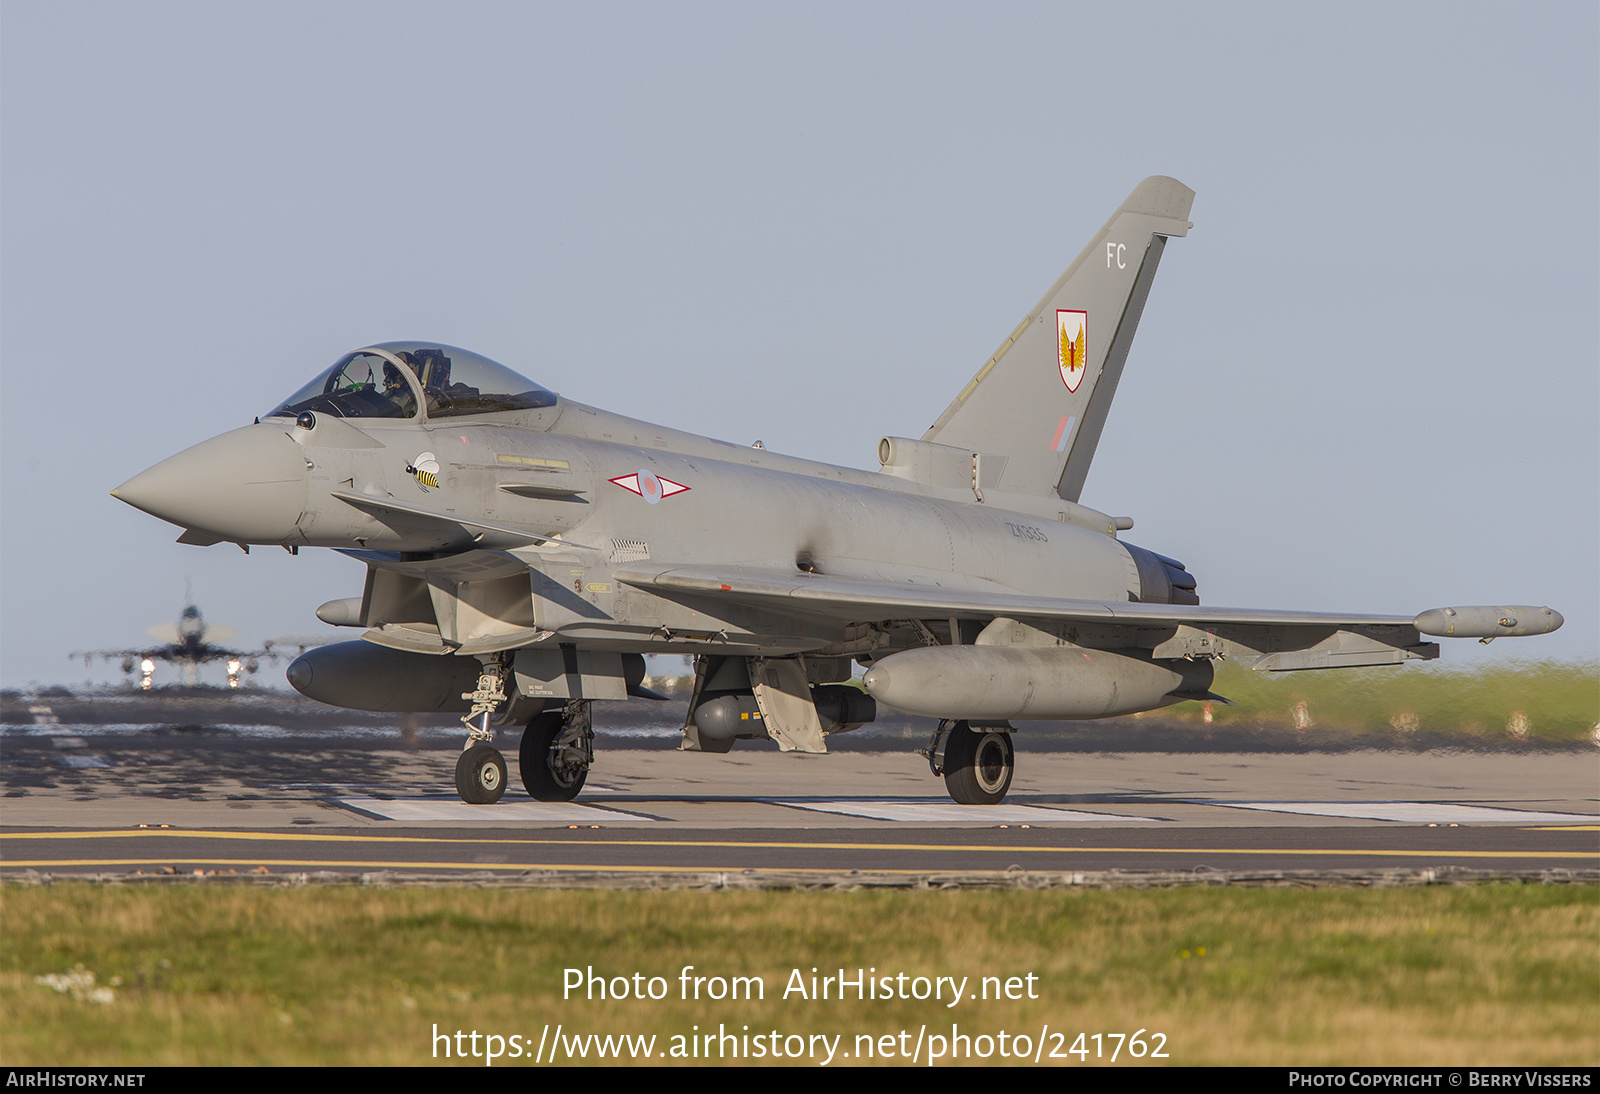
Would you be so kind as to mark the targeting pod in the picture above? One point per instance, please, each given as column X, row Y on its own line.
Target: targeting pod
column 1487, row 621
column 737, row 716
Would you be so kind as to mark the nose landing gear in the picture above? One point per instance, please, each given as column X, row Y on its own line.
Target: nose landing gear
column 556, row 751
column 481, row 770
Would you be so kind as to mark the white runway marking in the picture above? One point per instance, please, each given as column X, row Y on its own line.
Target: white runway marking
column 924, row 812
column 508, row 812
column 1412, row 812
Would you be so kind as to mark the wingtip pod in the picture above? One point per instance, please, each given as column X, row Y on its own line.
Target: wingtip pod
column 1488, row 621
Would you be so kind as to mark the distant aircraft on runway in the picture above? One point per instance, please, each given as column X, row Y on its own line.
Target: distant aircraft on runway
column 190, row 643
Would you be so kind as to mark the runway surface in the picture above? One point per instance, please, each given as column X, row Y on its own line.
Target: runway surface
column 129, row 800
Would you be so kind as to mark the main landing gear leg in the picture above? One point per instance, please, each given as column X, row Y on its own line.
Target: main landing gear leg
column 976, row 763
column 480, row 769
column 557, row 749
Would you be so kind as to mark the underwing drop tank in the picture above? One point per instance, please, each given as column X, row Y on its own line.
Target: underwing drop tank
column 363, row 676
column 1001, row 683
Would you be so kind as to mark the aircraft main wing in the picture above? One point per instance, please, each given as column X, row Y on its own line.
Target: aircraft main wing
column 856, row 599
column 1279, row 640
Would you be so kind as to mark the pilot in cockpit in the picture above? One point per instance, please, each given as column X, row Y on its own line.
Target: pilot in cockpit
column 432, row 367
column 454, row 382
column 395, row 388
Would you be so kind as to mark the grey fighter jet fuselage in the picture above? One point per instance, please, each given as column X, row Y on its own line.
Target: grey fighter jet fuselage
column 524, row 552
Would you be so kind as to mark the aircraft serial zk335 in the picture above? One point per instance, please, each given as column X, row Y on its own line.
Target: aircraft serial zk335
column 524, row 552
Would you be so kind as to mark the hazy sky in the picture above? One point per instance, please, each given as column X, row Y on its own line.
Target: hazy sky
column 1367, row 381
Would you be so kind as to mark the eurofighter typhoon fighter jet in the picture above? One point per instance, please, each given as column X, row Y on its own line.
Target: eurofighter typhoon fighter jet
column 190, row 642
column 524, row 551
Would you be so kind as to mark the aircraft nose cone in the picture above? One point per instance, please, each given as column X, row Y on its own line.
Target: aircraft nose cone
column 248, row 486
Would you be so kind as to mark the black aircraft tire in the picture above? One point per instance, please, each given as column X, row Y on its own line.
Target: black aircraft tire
column 481, row 775
column 541, row 781
column 978, row 765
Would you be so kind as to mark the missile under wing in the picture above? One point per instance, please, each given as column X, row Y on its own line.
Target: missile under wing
column 524, row 551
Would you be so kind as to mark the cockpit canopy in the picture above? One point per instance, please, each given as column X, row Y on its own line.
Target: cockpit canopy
column 389, row 379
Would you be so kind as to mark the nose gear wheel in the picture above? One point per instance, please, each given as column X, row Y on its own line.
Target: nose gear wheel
column 481, row 775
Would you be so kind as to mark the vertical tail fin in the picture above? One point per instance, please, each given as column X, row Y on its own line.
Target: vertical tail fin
column 1042, row 399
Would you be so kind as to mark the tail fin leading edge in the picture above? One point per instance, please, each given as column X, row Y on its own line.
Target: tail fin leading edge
column 1042, row 399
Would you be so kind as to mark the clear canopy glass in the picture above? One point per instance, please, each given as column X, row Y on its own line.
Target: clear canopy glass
column 359, row 385
column 385, row 381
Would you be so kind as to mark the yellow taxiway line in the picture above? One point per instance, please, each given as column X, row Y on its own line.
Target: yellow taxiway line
column 295, row 837
column 523, row 867
column 315, row 837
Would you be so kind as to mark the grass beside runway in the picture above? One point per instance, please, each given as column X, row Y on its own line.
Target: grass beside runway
column 1519, row 703
column 1447, row 975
